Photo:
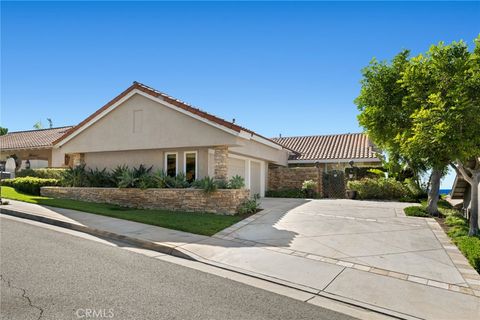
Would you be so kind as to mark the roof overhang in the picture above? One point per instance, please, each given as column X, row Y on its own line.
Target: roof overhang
column 26, row 148
column 334, row 160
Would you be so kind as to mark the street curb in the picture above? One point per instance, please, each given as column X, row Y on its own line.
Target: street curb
column 169, row 250
column 162, row 248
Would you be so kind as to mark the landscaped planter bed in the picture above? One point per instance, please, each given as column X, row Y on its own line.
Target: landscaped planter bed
column 222, row 201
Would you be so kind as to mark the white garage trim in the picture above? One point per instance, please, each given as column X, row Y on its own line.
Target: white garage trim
column 262, row 178
column 248, row 172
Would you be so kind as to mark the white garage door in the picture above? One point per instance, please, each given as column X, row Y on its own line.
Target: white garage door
column 236, row 167
column 255, row 177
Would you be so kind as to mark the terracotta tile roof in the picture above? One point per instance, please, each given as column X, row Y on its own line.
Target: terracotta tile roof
column 169, row 99
column 42, row 138
column 330, row 147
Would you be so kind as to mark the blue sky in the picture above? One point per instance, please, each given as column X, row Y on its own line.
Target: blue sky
column 289, row 68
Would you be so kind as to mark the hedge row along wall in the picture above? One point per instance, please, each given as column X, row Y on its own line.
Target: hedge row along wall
column 224, row 201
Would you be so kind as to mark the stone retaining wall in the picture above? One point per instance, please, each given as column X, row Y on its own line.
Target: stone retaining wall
column 292, row 177
column 193, row 200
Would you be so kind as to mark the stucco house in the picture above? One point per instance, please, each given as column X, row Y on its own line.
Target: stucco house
column 145, row 126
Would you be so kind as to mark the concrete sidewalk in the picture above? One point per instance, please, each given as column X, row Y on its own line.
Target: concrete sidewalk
column 326, row 278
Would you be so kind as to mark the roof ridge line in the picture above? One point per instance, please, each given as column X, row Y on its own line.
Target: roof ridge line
column 321, row 135
column 43, row 129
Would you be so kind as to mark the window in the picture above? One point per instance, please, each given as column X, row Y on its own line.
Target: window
column 190, row 165
column 171, row 164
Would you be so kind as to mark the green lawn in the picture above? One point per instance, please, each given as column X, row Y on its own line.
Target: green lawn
column 199, row 223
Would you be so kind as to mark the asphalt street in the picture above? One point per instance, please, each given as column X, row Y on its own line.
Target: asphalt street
column 47, row 274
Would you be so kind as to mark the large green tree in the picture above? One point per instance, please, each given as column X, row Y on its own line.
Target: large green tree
column 3, row 131
column 443, row 89
column 427, row 111
column 383, row 114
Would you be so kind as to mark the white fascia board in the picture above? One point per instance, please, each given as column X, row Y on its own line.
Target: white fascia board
column 267, row 142
column 335, row 160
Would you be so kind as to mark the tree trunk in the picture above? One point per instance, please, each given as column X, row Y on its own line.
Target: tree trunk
column 434, row 192
column 473, row 230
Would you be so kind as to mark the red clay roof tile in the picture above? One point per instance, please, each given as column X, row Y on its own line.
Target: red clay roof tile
column 330, row 147
column 30, row 139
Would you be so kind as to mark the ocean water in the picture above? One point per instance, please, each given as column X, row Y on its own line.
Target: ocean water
column 445, row 191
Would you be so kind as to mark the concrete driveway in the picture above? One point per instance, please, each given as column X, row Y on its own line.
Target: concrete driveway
column 375, row 234
column 366, row 251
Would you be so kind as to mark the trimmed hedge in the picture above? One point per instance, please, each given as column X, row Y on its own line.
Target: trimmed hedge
column 381, row 188
column 285, row 193
column 470, row 247
column 416, row 211
column 30, row 185
column 44, row 173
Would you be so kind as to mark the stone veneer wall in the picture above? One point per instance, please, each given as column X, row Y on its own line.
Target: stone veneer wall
column 292, row 177
column 192, row 200
column 220, row 165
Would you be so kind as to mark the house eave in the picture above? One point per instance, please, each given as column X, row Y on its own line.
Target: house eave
column 333, row 160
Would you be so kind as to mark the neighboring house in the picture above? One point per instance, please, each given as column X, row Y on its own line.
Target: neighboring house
column 33, row 145
column 145, row 126
column 315, row 155
column 334, row 151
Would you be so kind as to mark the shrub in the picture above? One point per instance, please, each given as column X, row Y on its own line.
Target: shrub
column 285, row 193
column 416, row 211
column 158, row 179
column 221, row 184
column 457, row 231
column 118, row 172
column 309, row 185
column 127, row 179
column 99, row 178
column 382, row 188
column 236, row 182
column 470, row 247
column 44, row 173
column 250, row 206
column 179, row 181
column 455, row 220
column 415, row 192
column 207, row 184
column 75, row 177
column 138, row 177
column 30, row 185
column 362, row 172
column 377, row 172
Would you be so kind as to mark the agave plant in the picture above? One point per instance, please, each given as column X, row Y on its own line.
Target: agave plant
column 75, row 177
column 118, row 172
column 236, row 182
column 159, row 178
column 207, row 184
column 127, row 179
column 99, row 178
column 141, row 171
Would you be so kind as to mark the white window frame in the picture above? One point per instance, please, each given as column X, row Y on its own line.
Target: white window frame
column 185, row 162
column 165, row 167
